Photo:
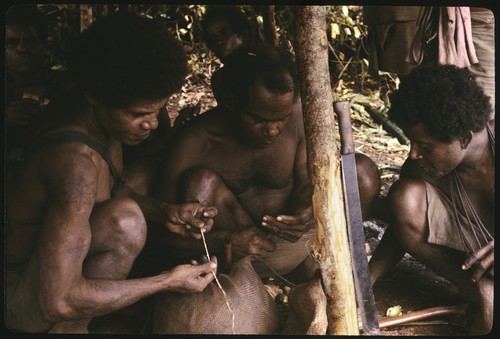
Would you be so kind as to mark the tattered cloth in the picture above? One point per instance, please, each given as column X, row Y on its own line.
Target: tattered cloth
column 454, row 34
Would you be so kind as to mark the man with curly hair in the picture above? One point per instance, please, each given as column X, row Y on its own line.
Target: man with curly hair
column 442, row 207
column 73, row 228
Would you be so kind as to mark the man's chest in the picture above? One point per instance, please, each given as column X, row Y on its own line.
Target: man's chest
column 242, row 169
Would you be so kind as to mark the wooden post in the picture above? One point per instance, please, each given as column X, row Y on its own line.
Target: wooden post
column 270, row 25
column 331, row 245
column 86, row 16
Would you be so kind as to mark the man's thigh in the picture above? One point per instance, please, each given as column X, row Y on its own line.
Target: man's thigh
column 287, row 256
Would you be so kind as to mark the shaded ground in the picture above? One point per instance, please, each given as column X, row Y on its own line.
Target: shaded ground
column 413, row 287
column 410, row 285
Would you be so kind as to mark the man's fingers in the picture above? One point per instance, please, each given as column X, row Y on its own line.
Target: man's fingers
column 207, row 212
column 483, row 252
column 481, row 268
column 267, row 245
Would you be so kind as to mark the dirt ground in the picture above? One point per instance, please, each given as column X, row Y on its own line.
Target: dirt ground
column 413, row 287
column 410, row 286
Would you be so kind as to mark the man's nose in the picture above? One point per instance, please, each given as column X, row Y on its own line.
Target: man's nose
column 272, row 129
column 150, row 124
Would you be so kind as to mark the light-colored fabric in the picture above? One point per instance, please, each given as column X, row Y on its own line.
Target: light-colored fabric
column 445, row 228
column 483, row 35
column 441, row 220
column 287, row 256
column 455, row 37
column 22, row 313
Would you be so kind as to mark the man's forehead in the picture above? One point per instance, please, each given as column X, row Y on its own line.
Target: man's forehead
column 16, row 30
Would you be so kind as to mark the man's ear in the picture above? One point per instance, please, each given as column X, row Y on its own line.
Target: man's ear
column 465, row 140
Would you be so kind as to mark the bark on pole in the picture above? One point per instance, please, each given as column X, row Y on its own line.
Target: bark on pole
column 331, row 245
column 86, row 17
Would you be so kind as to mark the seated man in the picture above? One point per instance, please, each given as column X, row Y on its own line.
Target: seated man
column 72, row 234
column 442, row 207
column 29, row 83
column 248, row 158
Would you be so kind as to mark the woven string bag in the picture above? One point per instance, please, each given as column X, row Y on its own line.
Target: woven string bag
column 255, row 311
column 307, row 309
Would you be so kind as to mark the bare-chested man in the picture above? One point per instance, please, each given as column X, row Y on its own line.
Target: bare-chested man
column 72, row 233
column 248, row 158
column 443, row 204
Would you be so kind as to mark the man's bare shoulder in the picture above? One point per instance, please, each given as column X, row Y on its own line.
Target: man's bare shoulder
column 53, row 172
column 202, row 129
column 64, row 155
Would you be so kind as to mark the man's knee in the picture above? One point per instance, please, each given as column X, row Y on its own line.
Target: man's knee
column 369, row 183
column 200, row 184
column 120, row 221
column 408, row 206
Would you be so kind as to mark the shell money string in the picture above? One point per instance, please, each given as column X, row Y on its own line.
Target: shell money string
column 217, row 281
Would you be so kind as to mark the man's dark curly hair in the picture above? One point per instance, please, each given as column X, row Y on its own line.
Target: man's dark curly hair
column 445, row 98
column 236, row 19
column 247, row 63
column 30, row 15
column 124, row 58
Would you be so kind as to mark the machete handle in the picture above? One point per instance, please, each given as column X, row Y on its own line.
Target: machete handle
column 343, row 111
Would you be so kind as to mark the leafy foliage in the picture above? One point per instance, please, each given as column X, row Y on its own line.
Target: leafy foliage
column 345, row 29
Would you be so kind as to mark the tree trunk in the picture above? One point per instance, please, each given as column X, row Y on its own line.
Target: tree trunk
column 270, row 25
column 86, row 17
column 331, row 246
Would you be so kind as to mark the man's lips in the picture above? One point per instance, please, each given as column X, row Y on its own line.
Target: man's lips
column 142, row 136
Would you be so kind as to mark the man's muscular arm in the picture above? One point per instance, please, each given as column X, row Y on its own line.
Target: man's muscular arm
column 70, row 176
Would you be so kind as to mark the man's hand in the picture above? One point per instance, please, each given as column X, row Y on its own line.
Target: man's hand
column 482, row 261
column 189, row 219
column 290, row 227
column 192, row 278
column 251, row 241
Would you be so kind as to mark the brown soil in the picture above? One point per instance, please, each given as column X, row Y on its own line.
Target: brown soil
column 410, row 285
